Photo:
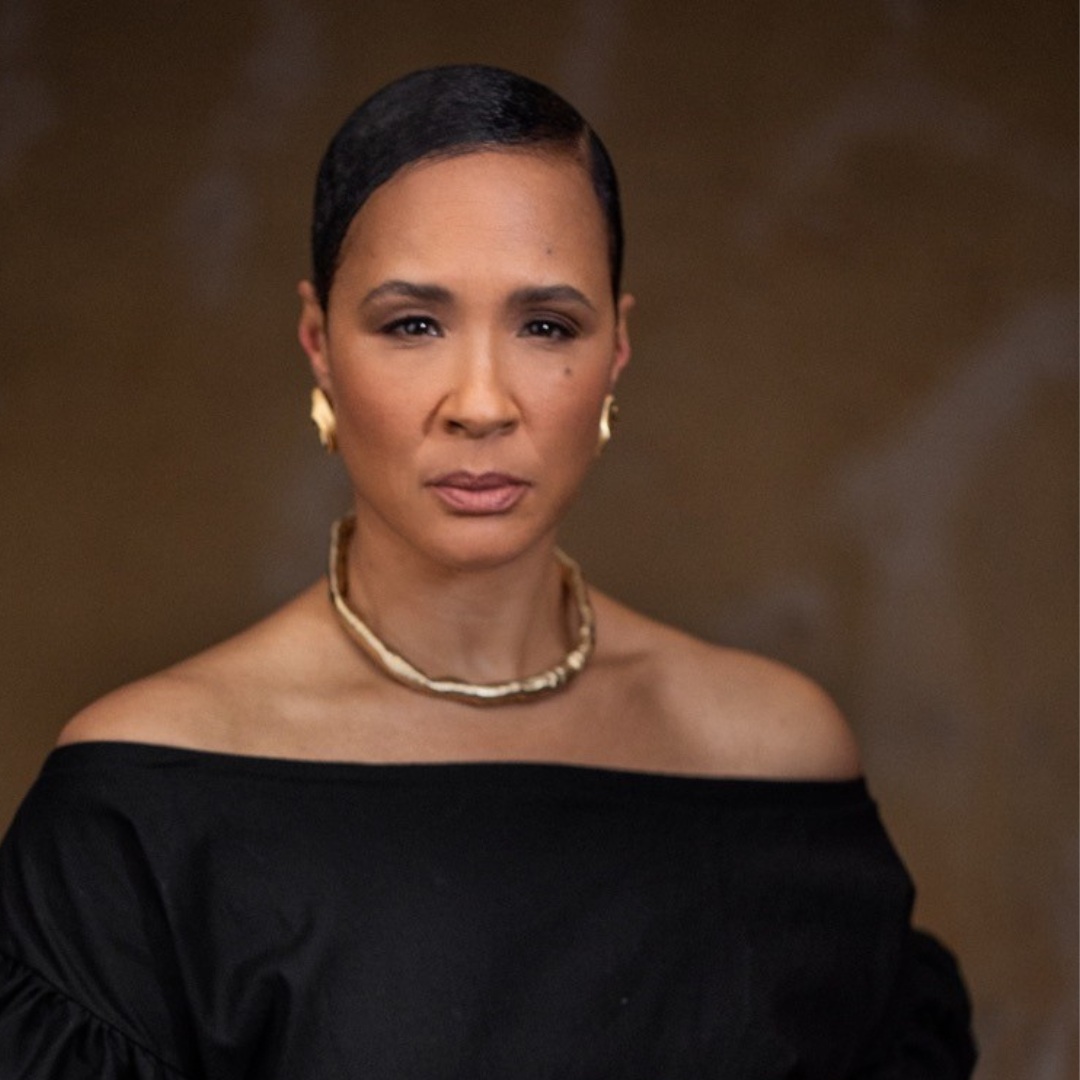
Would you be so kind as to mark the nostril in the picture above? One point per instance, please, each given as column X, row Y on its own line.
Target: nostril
column 479, row 428
column 477, row 415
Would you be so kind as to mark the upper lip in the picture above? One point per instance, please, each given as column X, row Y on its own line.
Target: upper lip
column 471, row 481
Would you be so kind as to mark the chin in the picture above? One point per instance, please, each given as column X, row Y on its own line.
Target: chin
column 484, row 544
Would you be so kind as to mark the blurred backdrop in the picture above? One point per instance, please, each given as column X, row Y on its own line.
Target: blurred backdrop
column 848, row 433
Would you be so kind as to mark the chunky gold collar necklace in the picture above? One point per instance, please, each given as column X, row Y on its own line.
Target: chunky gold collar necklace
column 531, row 688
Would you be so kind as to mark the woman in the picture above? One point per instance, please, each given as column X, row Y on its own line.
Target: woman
column 466, row 818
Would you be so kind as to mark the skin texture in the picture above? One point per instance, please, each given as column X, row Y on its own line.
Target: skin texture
column 471, row 329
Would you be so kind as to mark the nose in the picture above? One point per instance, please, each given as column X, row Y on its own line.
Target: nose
column 479, row 403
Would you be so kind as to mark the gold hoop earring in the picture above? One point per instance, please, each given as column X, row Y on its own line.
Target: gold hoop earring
column 322, row 416
column 609, row 413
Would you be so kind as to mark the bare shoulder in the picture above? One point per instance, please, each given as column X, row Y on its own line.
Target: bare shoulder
column 202, row 702
column 737, row 713
column 167, row 707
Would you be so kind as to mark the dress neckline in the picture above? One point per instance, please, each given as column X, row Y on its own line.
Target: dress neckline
column 97, row 754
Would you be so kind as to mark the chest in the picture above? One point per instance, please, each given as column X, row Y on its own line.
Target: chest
column 576, row 937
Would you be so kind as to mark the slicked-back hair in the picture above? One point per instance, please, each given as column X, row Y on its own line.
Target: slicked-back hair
column 444, row 112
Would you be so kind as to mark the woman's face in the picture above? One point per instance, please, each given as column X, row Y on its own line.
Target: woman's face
column 468, row 343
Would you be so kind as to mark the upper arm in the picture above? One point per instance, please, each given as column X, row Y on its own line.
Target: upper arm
column 85, row 943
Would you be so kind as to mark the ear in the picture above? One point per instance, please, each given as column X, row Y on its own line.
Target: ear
column 311, row 332
column 621, row 356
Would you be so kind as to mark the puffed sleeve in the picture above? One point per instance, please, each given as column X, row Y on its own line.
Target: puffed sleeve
column 84, row 950
column 46, row 1035
column 927, row 1030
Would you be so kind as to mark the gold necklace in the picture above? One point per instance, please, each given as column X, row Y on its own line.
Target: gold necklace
column 531, row 688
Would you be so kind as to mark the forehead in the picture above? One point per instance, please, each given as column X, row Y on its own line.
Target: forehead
column 483, row 202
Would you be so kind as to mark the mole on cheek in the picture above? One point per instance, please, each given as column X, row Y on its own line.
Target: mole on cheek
column 567, row 372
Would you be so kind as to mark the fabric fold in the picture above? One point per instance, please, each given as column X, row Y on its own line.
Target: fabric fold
column 44, row 1033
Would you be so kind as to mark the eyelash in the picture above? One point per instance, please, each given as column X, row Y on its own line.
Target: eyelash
column 556, row 329
column 417, row 326
column 400, row 327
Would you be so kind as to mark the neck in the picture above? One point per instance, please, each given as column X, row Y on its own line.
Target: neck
column 479, row 624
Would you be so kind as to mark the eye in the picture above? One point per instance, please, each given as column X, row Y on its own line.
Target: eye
column 551, row 329
column 413, row 326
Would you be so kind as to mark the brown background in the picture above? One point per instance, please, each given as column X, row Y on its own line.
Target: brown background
column 848, row 433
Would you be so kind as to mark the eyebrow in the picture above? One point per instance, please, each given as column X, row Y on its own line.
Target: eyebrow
column 546, row 294
column 437, row 294
column 411, row 290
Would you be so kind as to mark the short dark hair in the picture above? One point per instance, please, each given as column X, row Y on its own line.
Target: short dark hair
column 445, row 111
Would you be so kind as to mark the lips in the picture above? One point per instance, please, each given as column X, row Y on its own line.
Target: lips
column 479, row 493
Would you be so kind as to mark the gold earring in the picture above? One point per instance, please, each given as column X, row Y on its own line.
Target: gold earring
column 609, row 413
column 322, row 415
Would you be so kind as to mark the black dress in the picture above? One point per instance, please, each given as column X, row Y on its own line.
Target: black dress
column 176, row 914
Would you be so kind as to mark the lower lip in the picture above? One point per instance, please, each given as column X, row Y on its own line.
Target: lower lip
column 494, row 500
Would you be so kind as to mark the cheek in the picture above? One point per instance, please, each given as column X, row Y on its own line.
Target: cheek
column 376, row 416
column 378, row 444
column 573, row 421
